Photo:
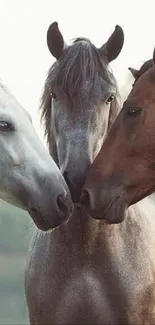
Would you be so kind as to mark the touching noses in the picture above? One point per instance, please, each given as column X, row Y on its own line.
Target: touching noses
column 85, row 198
column 64, row 205
column 75, row 184
column 75, row 176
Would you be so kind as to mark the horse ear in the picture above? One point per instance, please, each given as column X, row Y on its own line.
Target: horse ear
column 154, row 58
column 111, row 49
column 55, row 40
column 134, row 72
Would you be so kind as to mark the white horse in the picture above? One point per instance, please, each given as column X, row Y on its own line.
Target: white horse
column 29, row 177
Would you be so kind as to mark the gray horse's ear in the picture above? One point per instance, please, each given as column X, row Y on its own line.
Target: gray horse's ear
column 111, row 49
column 55, row 40
column 134, row 72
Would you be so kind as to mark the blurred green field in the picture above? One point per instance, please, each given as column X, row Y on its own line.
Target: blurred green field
column 15, row 228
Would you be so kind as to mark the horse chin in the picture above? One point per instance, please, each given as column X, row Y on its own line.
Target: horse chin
column 45, row 223
column 113, row 214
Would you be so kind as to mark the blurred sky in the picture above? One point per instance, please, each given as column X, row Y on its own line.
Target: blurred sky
column 24, row 56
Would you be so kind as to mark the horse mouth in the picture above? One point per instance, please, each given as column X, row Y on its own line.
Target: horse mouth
column 45, row 223
column 115, row 211
column 113, row 214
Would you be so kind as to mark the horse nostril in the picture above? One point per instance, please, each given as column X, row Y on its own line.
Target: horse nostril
column 85, row 198
column 62, row 203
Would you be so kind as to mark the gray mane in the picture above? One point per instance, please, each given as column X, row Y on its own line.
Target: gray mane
column 80, row 62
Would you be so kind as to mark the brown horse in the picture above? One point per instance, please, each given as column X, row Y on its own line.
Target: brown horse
column 121, row 175
column 65, row 271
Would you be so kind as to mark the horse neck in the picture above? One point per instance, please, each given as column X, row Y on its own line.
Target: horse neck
column 88, row 232
column 83, row 240
column 144, row 210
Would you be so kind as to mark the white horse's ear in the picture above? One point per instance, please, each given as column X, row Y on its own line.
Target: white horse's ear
column 134, row 72
column 55, row 40
column 111, row 49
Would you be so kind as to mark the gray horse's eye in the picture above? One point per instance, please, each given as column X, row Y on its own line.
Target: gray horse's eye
column 5, row 126
column 109, row 100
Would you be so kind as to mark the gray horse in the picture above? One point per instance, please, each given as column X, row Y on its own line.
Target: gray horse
column 80, row 102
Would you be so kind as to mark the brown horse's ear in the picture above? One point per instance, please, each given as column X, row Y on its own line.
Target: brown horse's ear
column 111, row 49
column 55, row 40
column 154, row 58
column 134, row 72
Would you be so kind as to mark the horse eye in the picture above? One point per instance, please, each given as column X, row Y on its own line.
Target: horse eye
column 109, row 100
column 54, row 96
column 5, row 126
column 134, row 111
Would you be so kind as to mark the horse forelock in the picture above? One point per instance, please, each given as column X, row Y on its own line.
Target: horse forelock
column 80, row 62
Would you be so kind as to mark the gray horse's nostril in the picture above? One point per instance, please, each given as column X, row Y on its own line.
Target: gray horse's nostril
column 85, row 198
column 75, row 183
column 63, row 204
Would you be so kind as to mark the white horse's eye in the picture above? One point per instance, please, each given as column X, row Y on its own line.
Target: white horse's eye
column 5, row 126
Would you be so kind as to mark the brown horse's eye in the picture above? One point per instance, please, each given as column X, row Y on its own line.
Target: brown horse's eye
column 109, row 100
column 134, row 111
column 53, row 95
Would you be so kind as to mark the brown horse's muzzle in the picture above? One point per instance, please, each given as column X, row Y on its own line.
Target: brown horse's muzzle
column 105, row 201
